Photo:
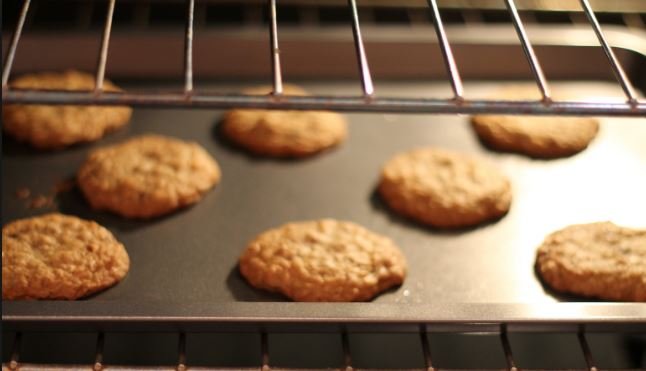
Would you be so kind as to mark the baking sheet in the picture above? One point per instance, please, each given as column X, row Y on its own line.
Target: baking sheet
column 183, row 266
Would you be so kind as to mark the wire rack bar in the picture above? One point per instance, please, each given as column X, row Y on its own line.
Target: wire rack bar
column 447, row 53
column 264, row 351
column 188, row 47
column 98, row 355
column 181, row 352
column 426, row 348
column 11, row 53
column 275, row 51
column 537, row 70
column 506, row 347
column 182, row 364
column 586, row 350
column 612, row 59
column 105, row 43
column 347, row 357
column 15, row 352
column 338, row 103
column 364, row 69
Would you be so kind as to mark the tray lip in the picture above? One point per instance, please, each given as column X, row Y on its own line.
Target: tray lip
column 56, row 312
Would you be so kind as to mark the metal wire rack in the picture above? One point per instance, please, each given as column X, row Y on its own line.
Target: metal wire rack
column 183, row 363
column 368, row 101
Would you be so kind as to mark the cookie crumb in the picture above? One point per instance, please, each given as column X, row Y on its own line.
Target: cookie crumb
column 41, row 201
column 23, row 193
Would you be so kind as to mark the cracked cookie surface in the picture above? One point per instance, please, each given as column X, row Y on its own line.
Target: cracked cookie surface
column 51, row 127
column 541, row 137
column 147, row 176
column 599, row 260
column 444, row 189
column 277, row 133
column 57, row 256
column 535, row 136
column 323, row 260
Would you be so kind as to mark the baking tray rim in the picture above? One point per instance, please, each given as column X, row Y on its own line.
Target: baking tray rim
column 243, row 315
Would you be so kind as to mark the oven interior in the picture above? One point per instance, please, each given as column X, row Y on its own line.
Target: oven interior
column 406, row 83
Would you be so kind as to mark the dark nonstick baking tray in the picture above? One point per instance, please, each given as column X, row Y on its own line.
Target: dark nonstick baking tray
column 184, row 266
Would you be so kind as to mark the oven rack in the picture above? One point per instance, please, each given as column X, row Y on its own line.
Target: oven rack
column 183, row 363
column 368, row 101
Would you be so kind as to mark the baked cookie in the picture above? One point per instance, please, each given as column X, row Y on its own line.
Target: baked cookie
column 444, row 189
column 57, row 256
column 147, row 176
column 541, row 137
column 599, row 260
column 58, row 126
column 323, row 260
column 284, row 133
column 535, row 136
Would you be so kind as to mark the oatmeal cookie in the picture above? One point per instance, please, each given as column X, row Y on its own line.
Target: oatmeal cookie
column 599, row 260
column 284, row 133
column 323, row 260
column 58, row 126
column 536, row 136
column 444, row 189
column 147, row 176
column 57, row 256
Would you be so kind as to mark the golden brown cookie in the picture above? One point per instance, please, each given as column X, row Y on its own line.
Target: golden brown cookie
column 444, row 189
column 147, row 176
column 284, row 133
column 599, row 260
column 57, row 256
column 323, row 260
column 58, row 126
column 542, row 137
column 535, row 136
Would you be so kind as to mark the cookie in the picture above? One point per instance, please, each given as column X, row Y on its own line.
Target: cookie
column 276, row 133
column 59, row 126
column 600, row 260
column 541, row 137
column 147, row 176
column 57, row 256
column 444, row 189
column 323, row 260
column 535, row 136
